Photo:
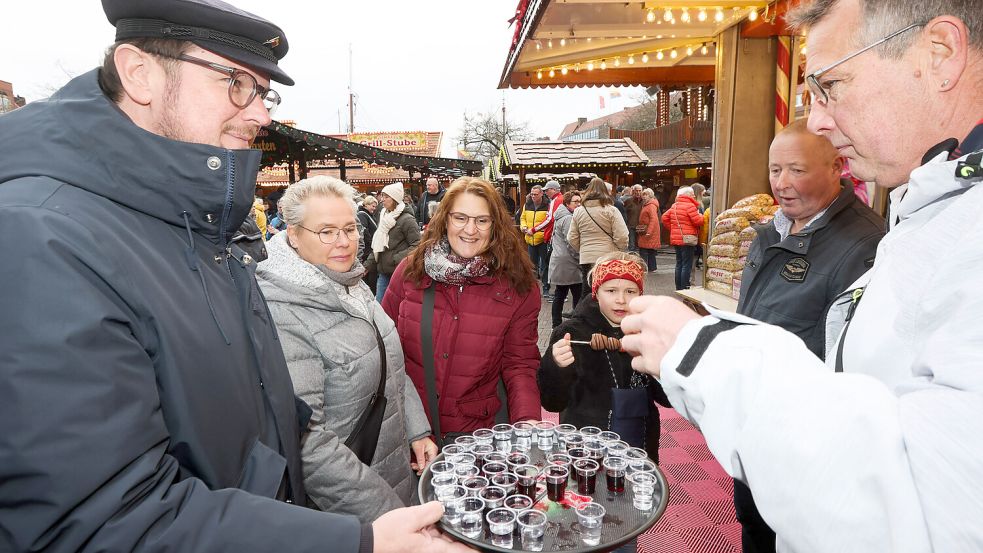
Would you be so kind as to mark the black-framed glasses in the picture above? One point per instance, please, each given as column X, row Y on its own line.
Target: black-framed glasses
column 460, row 220
column 820, row 91
column 243, row 88
column 330, row 235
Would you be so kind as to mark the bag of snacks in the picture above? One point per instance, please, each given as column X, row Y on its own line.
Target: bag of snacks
column 734, row 224
column 720, row 275
column 724, row 250
column 743, row 249
column 726, row 238
column 762, row 200
column 719, row 287
column 726, row 263
column 748, row 234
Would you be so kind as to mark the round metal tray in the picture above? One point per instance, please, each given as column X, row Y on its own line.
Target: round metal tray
column 622, row 522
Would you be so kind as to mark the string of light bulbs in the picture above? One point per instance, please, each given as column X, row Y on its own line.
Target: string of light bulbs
column 630, row 59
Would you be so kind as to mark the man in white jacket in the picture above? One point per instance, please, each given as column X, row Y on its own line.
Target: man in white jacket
column 881, row 448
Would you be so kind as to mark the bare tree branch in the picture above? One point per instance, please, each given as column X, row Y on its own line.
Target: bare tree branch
column 482, row 134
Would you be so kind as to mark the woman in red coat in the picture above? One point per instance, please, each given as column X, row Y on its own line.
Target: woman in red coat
column 649, row 230
column 683, row 219
column 485, row 311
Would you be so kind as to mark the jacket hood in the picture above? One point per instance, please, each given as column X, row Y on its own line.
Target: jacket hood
column 927, row 184
column 688, row 199
column 561, row 212
column 530, row 206
column 80, row 137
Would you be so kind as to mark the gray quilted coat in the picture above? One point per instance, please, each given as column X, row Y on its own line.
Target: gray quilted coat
column 333, row 357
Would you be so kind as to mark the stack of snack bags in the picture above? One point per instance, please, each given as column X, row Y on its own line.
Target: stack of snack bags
column 733, row 233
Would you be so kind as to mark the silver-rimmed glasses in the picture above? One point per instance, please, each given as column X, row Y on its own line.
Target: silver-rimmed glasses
column 330, row 235
column 243, row 88
column 820, row 90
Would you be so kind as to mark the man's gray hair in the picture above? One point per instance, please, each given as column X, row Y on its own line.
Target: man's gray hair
column 648, row 193
column 883, row 17
column 293, row 202
column 636, row 187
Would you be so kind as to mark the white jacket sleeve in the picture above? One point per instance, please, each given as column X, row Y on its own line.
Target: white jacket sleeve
column 824, row 453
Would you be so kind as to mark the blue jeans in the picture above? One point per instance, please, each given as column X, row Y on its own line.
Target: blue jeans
column 632, row 240
column 684, row 265
column 648, row 255
column 380, row 287
column 539, row 260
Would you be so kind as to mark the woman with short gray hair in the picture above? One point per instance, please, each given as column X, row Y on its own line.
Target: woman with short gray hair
column 338, row 341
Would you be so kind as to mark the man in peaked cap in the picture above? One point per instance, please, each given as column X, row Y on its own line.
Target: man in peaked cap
column 146, row 402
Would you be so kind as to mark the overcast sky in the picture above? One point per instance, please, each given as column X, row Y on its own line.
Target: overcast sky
column 417, row 66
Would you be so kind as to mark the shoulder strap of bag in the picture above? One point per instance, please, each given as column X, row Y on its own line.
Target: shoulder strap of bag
column 587, row 211
column 383, row 363
column 430, row 375
column 380, row 394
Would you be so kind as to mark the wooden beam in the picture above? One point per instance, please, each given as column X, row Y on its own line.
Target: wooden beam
column 667, row 77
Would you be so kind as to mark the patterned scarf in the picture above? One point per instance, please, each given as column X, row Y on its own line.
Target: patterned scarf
column 445, row 266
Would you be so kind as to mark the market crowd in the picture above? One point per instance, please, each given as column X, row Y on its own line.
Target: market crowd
column 186, row 367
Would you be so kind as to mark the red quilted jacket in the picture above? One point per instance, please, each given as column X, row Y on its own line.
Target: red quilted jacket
column 480, row 331
column 682, row 218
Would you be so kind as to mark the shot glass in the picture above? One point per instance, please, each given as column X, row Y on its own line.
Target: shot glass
column 480, row 451
column 590, row 516
column 616, row 448
column 467, row 442
column 590, row 431
column 461, row 459
column 464, row 472
column 453, row 499
column 474, row 485
column 557, row 477
column 642, row 489
column 515, row 459
column 442, row 480
column 528, row 477
column 615, row 469
column 532, row 529
column 640, row 465
column 441, row 467
column 523, row 435
column 517, row 503
column 562, row 430
column 577, row 453
column 595, row 451
column 501, row 523
column 636, row 453
column 483, row 436
column 450, row 450
column 472, row 516
column 494, row 497
column 586, row 470
column 491, row 469
column 545, row 431
column 502, row 432
column 561, row 459
column 573, row 440
column 496, row 457
column 609, row 436
column 505, row 480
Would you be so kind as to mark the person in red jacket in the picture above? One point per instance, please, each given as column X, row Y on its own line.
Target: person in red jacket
column 684, row 221
column 484, row 314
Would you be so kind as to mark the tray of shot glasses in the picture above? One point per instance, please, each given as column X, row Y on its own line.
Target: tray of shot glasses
column 544, row 487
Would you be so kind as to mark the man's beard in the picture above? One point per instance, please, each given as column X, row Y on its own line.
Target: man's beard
column 169, row 125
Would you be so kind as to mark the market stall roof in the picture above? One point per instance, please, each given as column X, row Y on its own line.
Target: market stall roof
column 576, row 43
column 283, row 144
column 561, row 157
column 537, row 178
column 680, row 157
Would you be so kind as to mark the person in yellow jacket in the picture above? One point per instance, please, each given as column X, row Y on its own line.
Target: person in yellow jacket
column 533, row 213
column 259, row 214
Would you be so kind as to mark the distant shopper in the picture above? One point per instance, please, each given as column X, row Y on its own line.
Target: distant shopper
column 433, row 193
column 633, row 209
column 597, row 228
column 684, row 221
column 533, row 215
column 395, row 237
column 649, row 230
column 369, row 222
column 565, row 259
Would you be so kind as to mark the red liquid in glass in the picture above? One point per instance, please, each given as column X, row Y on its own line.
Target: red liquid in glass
column 586, row 484
column 526, row 490
column 616, row 484
column 555, row 491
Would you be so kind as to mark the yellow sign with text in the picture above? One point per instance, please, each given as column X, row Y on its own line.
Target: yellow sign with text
column 403, row 141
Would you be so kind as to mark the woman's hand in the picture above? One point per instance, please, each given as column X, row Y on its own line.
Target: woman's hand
column 424, row 450
column 562, row 352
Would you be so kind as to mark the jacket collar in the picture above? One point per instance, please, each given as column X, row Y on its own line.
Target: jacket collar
column 80, row 137
column 798, row 242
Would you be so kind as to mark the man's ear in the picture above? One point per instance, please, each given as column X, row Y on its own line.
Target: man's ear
column 136, row 73
column 948, row 50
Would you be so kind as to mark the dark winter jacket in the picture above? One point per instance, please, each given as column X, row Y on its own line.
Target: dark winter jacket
column 423, row 214
column 791, row 283
column 146, row 404
column 581, row 393
column 481, row 332
column 403, row 237
column 368, row 223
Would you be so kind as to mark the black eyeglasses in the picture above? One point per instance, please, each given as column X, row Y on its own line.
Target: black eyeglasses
column 460, row 220
column 820, row 91
column 243, row 87
column 329, row 235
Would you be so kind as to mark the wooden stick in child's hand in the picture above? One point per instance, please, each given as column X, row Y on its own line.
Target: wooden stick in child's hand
column 600, row 342
column 580, row 342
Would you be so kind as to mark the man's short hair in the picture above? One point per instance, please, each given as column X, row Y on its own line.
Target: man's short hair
column 166, row 50
column 536, row 187
column 800, row 127
column 883, row 17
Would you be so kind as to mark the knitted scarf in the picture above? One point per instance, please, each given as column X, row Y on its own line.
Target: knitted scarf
column 445, row 266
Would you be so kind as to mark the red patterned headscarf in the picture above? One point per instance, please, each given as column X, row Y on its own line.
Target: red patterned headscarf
column 615, row 269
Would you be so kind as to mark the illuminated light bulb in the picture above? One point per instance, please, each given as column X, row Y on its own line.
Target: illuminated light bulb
column 617, row 62
column 685, row 16
column 689, row 50
column 539, row 74
column 702, row 16
column 645, row 58
column 673, row 54
column 803, row 50
column 588, row 39
column 549, row 43
column 539, row 45
column 552, row 73
column 659, row 55
column 631, row 60
column 563, row 42
column 753, row 16
column 650, row 16
column 667, row 16
column 719, row 16
column 576, row 68
column 672, row 21
column 563, row 70
column 590, row 66
column 604, row 65
column 704, row 49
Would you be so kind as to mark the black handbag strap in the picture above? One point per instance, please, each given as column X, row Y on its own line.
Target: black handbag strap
column 380, row 392
column 430, row 374
column 587, row 211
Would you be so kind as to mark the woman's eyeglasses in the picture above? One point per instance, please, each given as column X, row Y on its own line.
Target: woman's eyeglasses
column 330, row 235
column 460, row 220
